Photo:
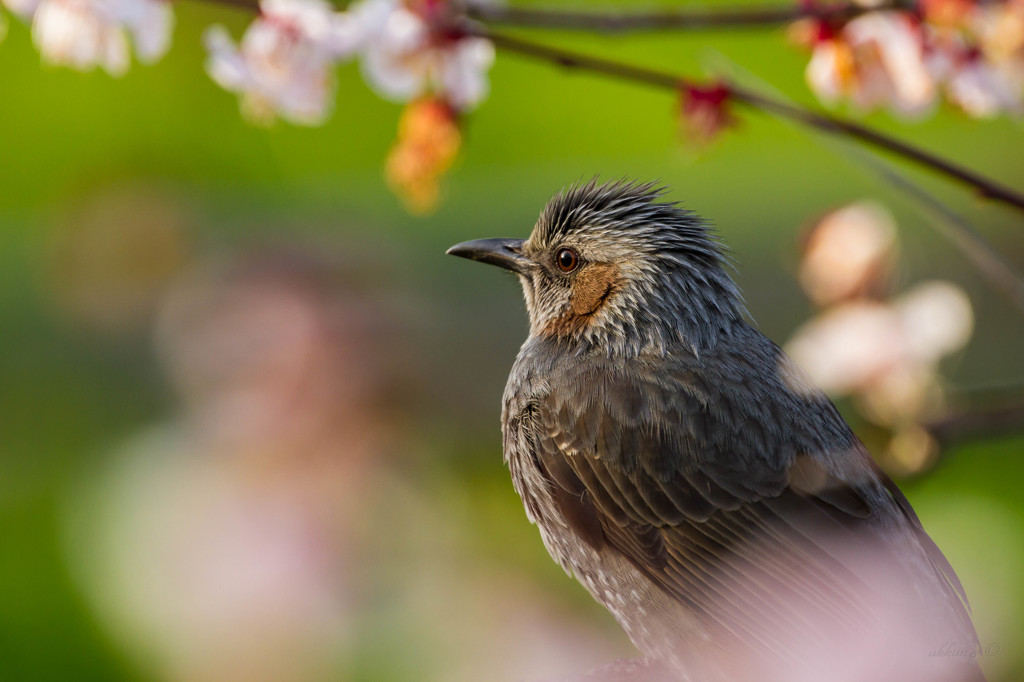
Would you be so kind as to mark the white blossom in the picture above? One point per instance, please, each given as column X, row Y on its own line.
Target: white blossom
column 984, row 90
column 972, row 52
column 890, row 56
column 23, row 8
column 877, row 59
column 938, row 320
column 830, row 71
column 982, row 84
column 849, row 345
column 847, row 253
column 88, row 33
column 403, row 58
column 999, row 29
column 284, row 63
column 150, row 23
column 886, row 353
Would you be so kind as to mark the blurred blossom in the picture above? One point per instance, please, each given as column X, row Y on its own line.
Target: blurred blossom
column 912, row 449
column 888, row 636
column 268, row 565
column 267, row 531
column 908, row 393
column 999, row 27
column 705, row 112
column 267, row 348
column 87, row 33
column 973, row 52
column 284, row 65
column 848, row 346
column 497, row 627
column 886, row 353
column 939, row 318
column 848, row 253
column 23, row 8
column 875, row 60
column 112, row 257
column 409, row 56
column 980, row 88
column 891, row 69
column 831, row 70
column 427, row 145
column 947, row 13
column 230, row 537
column 883, row 352
column 217, row 565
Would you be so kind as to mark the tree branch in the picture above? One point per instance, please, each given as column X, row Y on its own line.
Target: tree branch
column 1005, row 278
column 985, row 186
column 992, row 266
column 976, row 424
column 247, row 5
column 827, row 123
column 619, row 21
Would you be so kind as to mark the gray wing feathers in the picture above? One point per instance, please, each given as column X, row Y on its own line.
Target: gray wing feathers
column 715, row 492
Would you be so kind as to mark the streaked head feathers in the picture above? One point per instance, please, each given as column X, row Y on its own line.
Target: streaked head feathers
column 625, row 209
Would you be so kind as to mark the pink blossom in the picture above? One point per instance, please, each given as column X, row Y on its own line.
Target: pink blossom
column 984, row 90
column 406, row 56
column 875, row 60
column 23, row 8
column 980, row 85
column 886, row 353
column 999, row 30
column 284, row 65
column 848, row 253
column 831, row 71
column 86, row 33
column 890, row 56
column 973, row 53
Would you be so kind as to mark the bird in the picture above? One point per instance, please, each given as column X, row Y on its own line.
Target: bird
column 691, row 477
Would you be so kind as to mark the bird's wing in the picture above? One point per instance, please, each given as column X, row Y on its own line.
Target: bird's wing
column 716, row 490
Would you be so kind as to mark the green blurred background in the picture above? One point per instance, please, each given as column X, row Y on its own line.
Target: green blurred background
column 113, row 190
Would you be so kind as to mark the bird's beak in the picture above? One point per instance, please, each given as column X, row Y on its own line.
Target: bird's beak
column 505, row 253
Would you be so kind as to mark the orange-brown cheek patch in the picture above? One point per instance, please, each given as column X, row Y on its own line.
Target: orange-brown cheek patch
column 592, row 287
column 590, row 290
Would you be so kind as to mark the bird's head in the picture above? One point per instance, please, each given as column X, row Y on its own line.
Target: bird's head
column 612, row 265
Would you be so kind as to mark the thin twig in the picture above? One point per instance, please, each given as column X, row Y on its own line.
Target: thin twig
column 985, row 186
column 578, row 60
column 618, row 21
column 1003, row 277
column 990, row 393
column 830, row 124
column 247, row 5
column 977, row 424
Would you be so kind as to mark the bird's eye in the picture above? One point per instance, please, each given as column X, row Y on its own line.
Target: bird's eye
column 567, row 260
